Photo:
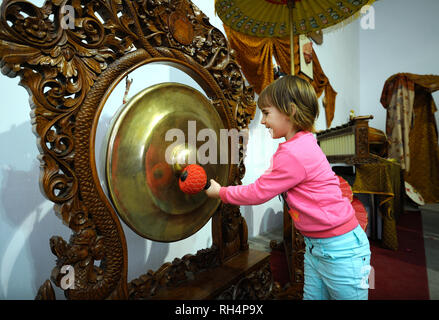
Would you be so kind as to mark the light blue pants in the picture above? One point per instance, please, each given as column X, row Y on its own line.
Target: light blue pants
column 337, row 267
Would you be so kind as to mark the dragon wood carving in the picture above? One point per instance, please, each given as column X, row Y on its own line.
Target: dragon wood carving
column 67, row 60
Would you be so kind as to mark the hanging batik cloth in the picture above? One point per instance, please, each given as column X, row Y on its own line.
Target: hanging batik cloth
column 255, row 54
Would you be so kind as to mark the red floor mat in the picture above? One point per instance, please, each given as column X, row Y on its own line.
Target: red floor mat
column 398, row 275
column 402, row 274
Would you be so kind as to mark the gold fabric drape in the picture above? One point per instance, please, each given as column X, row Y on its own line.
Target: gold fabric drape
column 382, row 179
column 423, row 173
column 400, row 94
column 254, row 55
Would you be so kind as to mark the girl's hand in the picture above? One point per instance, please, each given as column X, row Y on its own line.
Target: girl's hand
column 214, row 189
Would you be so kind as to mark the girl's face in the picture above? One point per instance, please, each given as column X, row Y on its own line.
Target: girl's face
column 278, row 123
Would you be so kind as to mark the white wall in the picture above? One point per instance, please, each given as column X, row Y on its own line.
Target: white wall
column 405, row 39
column 339, row 58
column 27, row 220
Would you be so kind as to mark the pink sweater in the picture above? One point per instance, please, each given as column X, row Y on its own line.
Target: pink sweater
column 300, row 168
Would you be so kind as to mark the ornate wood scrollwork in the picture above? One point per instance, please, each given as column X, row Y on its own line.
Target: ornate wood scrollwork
column 293, row 290
column 362, row 136
column 69, row 71
column 298, row 256
column 172, row 274
column 258, row 285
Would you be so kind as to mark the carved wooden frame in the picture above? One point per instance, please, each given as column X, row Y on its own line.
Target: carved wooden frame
column 69, row 73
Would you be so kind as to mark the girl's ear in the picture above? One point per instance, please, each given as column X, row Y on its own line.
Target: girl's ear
column 293, row 109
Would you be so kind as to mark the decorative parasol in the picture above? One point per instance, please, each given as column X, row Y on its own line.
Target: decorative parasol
column 360, row 211
column 278, row 18
column 346, row 189
column 413, row 194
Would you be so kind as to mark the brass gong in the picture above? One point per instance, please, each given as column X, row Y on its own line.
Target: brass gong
column 143, row 168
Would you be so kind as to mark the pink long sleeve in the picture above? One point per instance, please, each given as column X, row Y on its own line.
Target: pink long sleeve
column 313, row 194
column 284, row 173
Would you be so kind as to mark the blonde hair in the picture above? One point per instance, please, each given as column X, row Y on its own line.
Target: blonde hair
column 288, row 91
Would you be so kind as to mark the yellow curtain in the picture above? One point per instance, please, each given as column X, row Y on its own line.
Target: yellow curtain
column 424, row 149
column 254, row 55
column 423, row 172
column 399, row 117
column 382, row 178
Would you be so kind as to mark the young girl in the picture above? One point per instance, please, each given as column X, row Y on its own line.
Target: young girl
column 337, row 258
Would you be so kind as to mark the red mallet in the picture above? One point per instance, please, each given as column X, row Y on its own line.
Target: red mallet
column 193, row 179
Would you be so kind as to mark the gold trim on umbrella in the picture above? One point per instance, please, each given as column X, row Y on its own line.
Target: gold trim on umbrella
column 280, row 18
column 270, row 18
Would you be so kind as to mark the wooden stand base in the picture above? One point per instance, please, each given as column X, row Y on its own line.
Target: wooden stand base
column 244, row 276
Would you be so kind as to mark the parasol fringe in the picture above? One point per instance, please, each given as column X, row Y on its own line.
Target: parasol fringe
column 347, row 21
column 329, row 29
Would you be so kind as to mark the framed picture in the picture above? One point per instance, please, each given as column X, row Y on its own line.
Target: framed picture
column 305, row 52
